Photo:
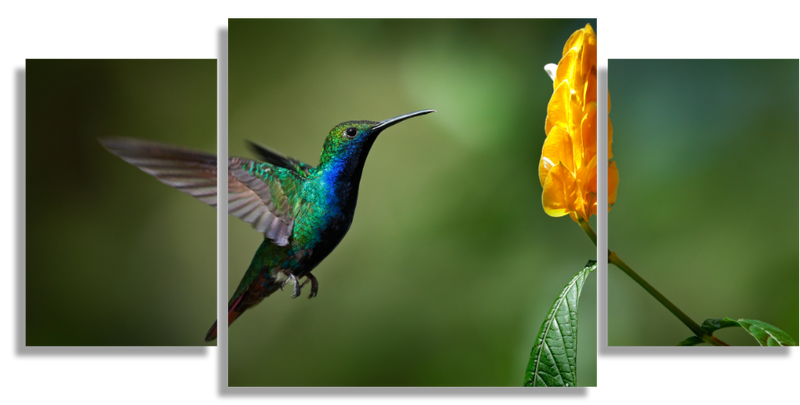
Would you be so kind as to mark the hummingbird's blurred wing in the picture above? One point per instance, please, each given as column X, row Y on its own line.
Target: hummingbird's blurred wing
column 263, row 195
column 278, row 159
column 190, row 171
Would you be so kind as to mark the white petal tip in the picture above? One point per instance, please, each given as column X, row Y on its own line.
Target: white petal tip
column 551, row 69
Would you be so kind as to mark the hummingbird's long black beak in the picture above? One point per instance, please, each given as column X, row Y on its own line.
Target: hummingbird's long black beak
column 391, row 121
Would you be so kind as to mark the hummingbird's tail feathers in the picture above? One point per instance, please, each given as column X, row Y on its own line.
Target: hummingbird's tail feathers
column 232, row 315
column 212, row 333
column 192, row 172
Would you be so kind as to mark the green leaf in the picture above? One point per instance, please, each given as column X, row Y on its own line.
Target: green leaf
column 691, row 341
column 553, row 357
column 764, row 333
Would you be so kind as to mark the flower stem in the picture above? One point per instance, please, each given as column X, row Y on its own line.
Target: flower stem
column 588, row 229
column 692, row 325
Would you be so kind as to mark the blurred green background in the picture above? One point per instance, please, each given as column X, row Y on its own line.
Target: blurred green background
column 113, row 256
column 451, row 264
column 707, row 152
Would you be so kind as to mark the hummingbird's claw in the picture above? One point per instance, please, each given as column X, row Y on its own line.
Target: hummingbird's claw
column 296, row 288
column 314, row 285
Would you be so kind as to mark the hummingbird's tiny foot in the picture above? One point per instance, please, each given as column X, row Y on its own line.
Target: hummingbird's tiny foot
column 296, row 290
column 314, row 285
column 293, row 279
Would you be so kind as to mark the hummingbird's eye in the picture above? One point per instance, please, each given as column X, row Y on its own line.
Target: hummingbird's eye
column 350, row 132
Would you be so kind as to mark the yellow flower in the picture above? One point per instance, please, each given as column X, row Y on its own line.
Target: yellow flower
column 568, row 167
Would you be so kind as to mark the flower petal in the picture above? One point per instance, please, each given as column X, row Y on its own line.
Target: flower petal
column 560, row 195
column 557, row 149
column 613, row 182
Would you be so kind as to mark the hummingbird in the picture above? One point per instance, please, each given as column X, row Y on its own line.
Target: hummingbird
column 303, row 211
